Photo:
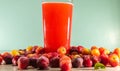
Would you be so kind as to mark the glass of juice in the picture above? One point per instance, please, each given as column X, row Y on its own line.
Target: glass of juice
column 57, row 24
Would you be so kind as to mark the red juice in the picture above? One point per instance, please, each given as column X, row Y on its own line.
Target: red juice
column 57, row 22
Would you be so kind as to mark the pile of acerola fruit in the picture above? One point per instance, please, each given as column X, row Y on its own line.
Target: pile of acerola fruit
column 78, row 57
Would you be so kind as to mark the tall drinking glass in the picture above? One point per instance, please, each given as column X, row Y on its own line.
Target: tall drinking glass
column 57, row 24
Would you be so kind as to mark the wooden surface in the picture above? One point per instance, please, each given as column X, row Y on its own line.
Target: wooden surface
column 14, row 68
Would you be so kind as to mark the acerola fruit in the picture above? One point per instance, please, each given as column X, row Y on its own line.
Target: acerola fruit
column 65, row 63
column 95, row 52
column 61, row 50
column 43, row 63
column 114, row 60
column 23, row 63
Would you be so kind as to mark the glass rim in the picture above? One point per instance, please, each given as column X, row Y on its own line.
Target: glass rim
column 70, row 1
column 59, row 2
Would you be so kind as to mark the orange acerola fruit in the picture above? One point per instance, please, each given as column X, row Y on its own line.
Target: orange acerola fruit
column 94, row 47
column 95, row 52
column 86, row 51
column 29, row 49
column 117, row 51
column 61, row 50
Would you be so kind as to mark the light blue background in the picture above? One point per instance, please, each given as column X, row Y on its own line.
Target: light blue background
column 95, row 22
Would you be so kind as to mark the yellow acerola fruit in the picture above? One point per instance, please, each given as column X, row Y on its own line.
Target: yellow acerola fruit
column 15, row 52
column 29, row 48
column 61, row 50
column 95, row 52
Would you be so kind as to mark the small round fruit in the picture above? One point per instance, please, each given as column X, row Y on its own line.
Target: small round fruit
column 55, row 62
column 43, row 63
column 79, row 49
column 15, row 52
column 66, row 66
column 86, row 51
column 73, row 50
column 117, row 51
column 87, row 63
column 23, row 63
column 29, row 49
column 106, row 51
column 86, row 57
column 34, row 48
column 61, row 50
column 33, row 62
column 104, row 59
column 1, row 59
column 95, row 52
column 65, row 63
column 15, row 60
column 77, row 62
column 65, row 58
column 94, row 47
column 101, row 50
column 114, row 60
column 39, row 50
column 51, row 55
column 7, row 57
column 95, row 59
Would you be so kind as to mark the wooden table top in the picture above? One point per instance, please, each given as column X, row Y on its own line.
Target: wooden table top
column 14, row 68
